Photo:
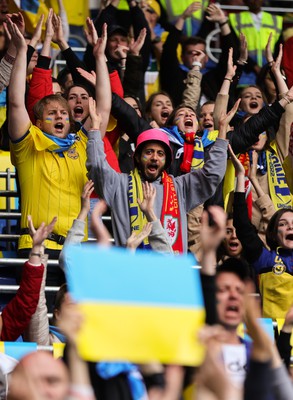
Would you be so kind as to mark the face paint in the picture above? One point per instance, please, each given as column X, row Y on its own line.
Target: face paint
column 67, row 120
column 145, row 157
column 48, row 120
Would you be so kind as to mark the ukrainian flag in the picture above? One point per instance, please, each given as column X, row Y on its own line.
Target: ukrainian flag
column 31, row 11
column 17, row 350
column 140, row 307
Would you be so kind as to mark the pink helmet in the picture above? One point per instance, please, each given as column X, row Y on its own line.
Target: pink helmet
column 154, row 135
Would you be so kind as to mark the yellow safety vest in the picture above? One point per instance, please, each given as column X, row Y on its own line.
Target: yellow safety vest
column 257, row 39
column 175, row 8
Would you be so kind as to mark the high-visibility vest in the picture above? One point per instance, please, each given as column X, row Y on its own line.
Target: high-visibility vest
column 257, row 39
column 123, row 5
column 174, row 9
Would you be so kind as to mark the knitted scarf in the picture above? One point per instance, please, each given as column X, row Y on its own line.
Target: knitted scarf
column 170, row 216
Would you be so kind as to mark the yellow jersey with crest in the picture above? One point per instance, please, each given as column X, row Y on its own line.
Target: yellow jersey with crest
column 50, row 184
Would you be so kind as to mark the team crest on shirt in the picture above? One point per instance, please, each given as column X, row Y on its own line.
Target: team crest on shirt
column 279, row 269
column 72, row 153
column 171, row 226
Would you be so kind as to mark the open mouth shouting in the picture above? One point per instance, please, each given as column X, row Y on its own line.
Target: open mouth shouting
column 208, row 125
column 165, row 114
column 59, row 127
column 188, row 123
column 78, row 113
column 152, row 168
column 232, row 310
column 234, row 247
column 254, row 105
column 288, row 241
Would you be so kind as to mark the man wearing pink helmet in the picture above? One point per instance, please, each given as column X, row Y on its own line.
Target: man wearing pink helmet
column 175, row 196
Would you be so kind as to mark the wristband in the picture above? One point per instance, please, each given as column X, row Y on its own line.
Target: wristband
column 241, row 61
column 228, row 79
column 287, row 99
column 35, row 254
column 10, row 59
column 223, row 23
column 197, row 63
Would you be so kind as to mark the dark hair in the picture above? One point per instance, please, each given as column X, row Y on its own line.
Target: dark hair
column 88, row 88
column 62, row 76
column 237, row 266
column 272, row 228
column 260, row 81
column 241, row 90
column 149, row 102
column 221, row 250
column 138, row 102
column 273, row 128
column 192, row 40
column 139, row 150
column 170, row 120
column 59, row 298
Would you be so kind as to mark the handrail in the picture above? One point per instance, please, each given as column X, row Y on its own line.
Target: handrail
column 21, row 261
column 267, row 9
column 14, row 288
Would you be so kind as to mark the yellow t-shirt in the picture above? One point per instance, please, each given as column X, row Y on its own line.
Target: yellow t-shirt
column 50, row 185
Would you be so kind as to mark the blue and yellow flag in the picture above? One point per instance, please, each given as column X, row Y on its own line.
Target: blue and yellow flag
column 31, row 11
column 77, row 11
column 17, row 350
column 265, row 323
column 138, row 307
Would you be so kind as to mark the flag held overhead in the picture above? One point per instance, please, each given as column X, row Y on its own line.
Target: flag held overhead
column 138, row 307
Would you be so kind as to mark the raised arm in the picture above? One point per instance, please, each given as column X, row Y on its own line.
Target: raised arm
column 7, row 61
column 18, row 312
column 199, row 185
column 223, row 95
column 18, row 117
column 191, row 94
column 103, row 87
column 41, row 82
column 246, row 232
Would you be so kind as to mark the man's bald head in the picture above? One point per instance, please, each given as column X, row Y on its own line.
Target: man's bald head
column 39, row 376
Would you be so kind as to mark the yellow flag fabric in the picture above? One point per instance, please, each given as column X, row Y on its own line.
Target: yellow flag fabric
column 31, row 11
column 134, row 307
column 5, row 164
column 58, row 350
column 77, row 11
